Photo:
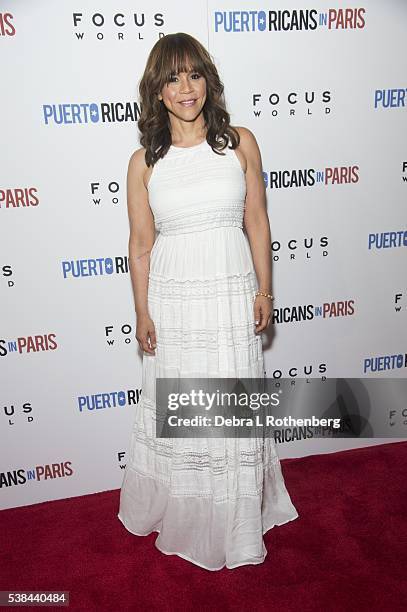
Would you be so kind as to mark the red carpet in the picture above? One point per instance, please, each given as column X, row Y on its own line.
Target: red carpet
column 346, row 551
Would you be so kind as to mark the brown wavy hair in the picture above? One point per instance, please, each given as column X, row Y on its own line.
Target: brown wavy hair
column 172, row 54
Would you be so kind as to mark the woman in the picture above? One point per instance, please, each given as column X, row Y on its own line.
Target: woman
column 200, row 311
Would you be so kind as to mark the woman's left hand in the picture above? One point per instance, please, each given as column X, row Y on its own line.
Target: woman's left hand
column 262, row 312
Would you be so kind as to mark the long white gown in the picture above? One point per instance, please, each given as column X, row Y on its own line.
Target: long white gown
column 212, row 499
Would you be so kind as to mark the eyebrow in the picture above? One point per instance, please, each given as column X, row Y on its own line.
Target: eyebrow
column 188, row 72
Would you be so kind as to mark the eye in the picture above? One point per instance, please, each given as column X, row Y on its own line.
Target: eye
column 173, row 77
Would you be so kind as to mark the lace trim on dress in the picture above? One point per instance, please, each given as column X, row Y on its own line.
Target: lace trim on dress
column 181, row 288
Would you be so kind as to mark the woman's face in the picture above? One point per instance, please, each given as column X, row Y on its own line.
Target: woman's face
column 185, row 94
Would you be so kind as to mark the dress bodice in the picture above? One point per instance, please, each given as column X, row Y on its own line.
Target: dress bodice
column 193, row 189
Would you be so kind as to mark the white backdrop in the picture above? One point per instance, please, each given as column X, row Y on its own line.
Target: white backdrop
column 325, row 98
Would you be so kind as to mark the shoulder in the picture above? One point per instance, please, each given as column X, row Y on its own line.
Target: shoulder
column 138, row 169
column 247, row 138
column 248, row 148
column 137, row 160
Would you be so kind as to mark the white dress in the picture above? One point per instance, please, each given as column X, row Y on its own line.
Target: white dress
column 211, row 500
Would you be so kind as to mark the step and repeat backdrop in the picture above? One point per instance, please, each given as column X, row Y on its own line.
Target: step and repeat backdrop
column 324, row 90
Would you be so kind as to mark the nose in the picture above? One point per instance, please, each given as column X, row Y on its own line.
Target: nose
column 185, row 85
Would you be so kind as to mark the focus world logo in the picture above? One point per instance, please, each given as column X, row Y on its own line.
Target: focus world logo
column 117, row 25
column 7, row 272
column 300, row 372
column 102, row 193
column 296, row 249
column 117, row 335
column 400, row 302
column 291, row 103
column 19, row 413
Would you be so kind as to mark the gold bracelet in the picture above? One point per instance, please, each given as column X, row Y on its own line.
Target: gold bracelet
column 265, row 295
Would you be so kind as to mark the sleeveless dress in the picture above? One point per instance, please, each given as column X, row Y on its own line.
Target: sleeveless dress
column 211, row 500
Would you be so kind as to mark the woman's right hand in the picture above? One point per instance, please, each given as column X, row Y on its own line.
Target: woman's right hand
column 145, row 334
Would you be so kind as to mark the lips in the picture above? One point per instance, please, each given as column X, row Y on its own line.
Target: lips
column 188, row 102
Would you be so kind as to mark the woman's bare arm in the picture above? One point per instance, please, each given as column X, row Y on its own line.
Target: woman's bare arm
column 142, row 230
column 141, row 240
column 256, row 219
